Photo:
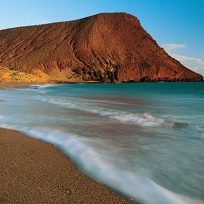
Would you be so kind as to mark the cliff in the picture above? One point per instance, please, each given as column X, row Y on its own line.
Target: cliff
column 107, row 47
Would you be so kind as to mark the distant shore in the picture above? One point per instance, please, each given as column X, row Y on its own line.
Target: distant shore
column 10, row 85
column 32, row 171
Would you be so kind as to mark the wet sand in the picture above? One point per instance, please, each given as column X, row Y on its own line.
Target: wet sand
column 12, row 85
column 32, row 171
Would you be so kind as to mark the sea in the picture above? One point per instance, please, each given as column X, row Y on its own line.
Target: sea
column 143, row 140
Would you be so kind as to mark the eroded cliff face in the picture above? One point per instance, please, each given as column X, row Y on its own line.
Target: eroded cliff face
column 105, row 47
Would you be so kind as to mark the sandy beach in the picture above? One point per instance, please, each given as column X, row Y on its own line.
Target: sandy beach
column 12, row 85
column 32, row 171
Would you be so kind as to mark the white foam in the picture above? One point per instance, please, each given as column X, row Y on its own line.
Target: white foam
column 94, row 164
column 44, row 85
column 97, row 166
column 145, row 119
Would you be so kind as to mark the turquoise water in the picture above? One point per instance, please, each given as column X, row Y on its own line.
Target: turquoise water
column 145, row 140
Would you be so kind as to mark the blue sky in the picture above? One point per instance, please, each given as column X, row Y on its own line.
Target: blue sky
column 177, row 25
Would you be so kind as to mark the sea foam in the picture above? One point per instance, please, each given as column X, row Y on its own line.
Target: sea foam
column 83, row 151
column 97, row 166
column 142, row 119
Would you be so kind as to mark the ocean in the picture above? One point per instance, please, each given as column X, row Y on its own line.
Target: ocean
column 144, row 140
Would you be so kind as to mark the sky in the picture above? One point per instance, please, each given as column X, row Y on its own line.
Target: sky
column 177, row 25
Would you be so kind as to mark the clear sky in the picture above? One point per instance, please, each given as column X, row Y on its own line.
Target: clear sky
column 177, row 25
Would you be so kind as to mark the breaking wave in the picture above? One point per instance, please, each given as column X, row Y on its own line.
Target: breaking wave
column 138, row 173
column 97, row 166
column 142, row 119
column 36, row 86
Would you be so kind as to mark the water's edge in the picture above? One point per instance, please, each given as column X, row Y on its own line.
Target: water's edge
column 94, row 165
column 75, row 163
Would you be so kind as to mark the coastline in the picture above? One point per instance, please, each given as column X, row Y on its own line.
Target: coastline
column 14, row 85
column 32, row 171
column 3, row 196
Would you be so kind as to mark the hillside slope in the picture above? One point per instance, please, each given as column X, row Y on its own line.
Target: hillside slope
column 106, row 47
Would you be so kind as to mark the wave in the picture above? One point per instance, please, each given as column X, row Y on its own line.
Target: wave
column 35, row 86
column 97, row 166
column 42, row 88
column 91, row 105
column 142, row 119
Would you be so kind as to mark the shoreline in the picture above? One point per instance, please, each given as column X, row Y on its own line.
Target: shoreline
column 13, row 85
column 45, row 169
column 32, row 171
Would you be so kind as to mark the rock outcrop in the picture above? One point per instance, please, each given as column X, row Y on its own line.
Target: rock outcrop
column 107, row 47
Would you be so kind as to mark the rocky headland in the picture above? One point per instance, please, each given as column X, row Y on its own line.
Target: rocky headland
column 108, row 47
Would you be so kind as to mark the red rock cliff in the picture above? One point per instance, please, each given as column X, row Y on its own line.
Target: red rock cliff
column 105, row 47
